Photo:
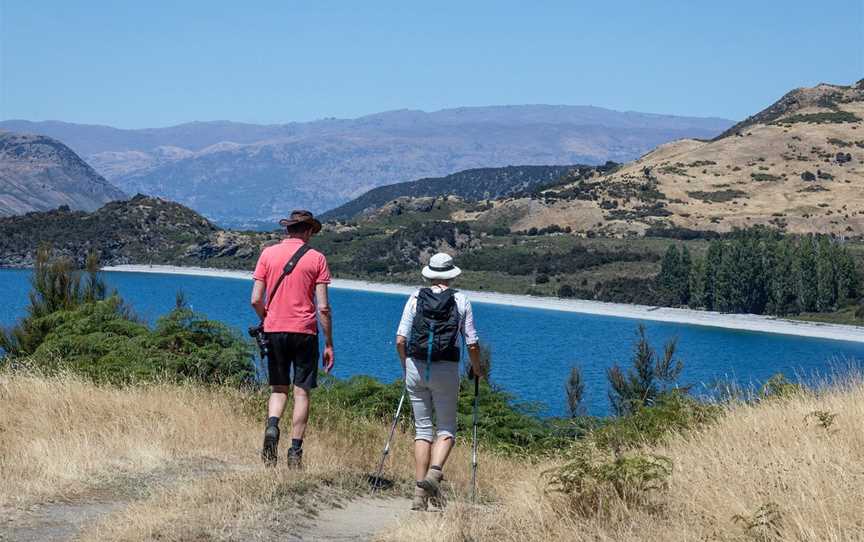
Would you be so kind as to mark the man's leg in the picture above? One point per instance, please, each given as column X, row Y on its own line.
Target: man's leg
column 279, row 376
column 275, row 408
column 301, row 413
column 278, row 399
column 299, row 419
column 305, row 353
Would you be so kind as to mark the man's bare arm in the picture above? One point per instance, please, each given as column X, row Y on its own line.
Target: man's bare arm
column 324, row 312
column 325, row 318
column 258, row 289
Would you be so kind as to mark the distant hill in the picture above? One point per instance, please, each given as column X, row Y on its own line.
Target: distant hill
column 470, row 185
column 238, row 173
column 798, row 166
column 139, row 230
column 39, row 173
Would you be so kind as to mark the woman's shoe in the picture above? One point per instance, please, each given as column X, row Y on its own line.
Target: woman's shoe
column 421, row 500
column 432, row 482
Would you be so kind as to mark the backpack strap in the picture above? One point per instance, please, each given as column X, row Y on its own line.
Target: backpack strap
column 289, row 267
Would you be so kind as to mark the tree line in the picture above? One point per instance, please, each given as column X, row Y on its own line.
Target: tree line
column 762, row 271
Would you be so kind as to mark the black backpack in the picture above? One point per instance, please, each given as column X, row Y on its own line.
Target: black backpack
column 435, row 332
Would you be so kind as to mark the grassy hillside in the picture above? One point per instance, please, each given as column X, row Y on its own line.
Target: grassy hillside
column 472, row 185
column 783, row 469
column 142, row 229
column 796, row 166
column 180, row 462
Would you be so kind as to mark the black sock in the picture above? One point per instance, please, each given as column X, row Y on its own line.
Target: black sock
column 273, row 421
column 297, row 443
column 435, row 467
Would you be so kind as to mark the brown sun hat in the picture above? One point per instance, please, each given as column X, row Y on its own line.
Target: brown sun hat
column 298, row 217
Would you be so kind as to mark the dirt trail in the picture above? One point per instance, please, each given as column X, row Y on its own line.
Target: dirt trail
column 53, row 521
column 63, row 518
column 357, row 520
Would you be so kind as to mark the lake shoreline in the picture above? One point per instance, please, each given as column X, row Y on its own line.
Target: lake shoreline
column 742, row 322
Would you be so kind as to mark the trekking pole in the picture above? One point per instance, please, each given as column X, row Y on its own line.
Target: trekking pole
column 474, row 441
column 377, row 481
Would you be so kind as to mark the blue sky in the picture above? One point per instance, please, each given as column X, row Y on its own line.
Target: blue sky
column 155, row 63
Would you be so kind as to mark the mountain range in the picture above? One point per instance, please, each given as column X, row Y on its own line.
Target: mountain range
column 38, row 173
column 798, row 166
column 237, row 174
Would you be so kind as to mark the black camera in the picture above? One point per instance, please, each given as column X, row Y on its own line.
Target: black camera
column 257, row 333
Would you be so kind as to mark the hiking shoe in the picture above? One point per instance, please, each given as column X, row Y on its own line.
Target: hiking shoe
column 271, row 445
column 295, row 458
column 421, row 500
column 432, row 483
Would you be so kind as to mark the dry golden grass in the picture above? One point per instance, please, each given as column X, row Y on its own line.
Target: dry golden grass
column 183, row 462
column 181, row 459
column 63, row 435
column 774, row 461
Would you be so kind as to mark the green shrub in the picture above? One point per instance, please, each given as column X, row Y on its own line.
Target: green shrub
column 834, row 117
column 779, row 387
column 70, row 321
column 717, row 196
column 764, row 177
column 673, row 412
column 566, row 291
column 593, row 479
column 55, row 286
column 99, row 340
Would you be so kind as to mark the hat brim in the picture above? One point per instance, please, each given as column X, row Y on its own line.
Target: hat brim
column 316, row 225
column 446, row 275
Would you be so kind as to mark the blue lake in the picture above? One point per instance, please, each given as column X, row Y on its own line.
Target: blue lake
column 533, row 349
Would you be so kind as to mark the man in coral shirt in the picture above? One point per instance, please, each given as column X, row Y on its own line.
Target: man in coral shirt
column 291, row 328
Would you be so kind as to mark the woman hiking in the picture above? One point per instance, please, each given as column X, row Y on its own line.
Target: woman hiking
column 427, row 342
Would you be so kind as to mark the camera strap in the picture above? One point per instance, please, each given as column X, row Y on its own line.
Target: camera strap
column 289, row 267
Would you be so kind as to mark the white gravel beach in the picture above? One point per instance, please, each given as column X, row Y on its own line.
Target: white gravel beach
column 745, row 322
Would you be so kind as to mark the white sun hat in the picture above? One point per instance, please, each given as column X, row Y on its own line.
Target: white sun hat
column 441, row 267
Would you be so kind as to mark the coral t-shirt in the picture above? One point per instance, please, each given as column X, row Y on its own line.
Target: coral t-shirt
column 293, row 308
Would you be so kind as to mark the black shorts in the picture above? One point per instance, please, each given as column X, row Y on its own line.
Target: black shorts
column 297, row 349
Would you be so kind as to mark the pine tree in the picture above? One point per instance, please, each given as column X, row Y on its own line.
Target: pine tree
column 783, row 291
column 684, row 276
column 826, row 276
column 806, row 274
column 753, row 274
column 575, row 389
column 713, row 259
column 729, row 289
column 848, row 278
column 669, row 276
column 649, row 376
column 55, row 286
column 697, row 284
